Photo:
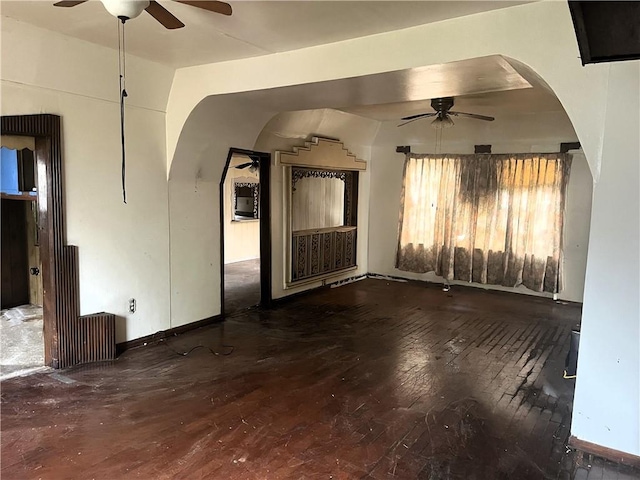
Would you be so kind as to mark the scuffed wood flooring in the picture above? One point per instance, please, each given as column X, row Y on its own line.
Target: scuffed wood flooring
column 374, row 379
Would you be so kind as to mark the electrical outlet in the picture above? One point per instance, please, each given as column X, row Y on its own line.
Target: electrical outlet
column 132, row 305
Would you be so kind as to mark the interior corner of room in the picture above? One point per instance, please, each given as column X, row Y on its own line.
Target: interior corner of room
column 487, row 186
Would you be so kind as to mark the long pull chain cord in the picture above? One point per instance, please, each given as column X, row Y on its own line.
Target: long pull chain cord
column 438, row 142
column 122, row 71
column 446, row 286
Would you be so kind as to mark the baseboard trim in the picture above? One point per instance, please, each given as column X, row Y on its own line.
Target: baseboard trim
column 155, row 337
column 472, row 286
column 346, row 281
column 605, row 452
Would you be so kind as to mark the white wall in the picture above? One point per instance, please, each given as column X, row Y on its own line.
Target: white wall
column 577, row 225
column 216, row 125
column 124, row 249
column 606, row 407
column 542, row 132
column 289, row 129
column 241, row 238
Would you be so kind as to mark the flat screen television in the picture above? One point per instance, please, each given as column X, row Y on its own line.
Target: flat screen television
column 607, row 31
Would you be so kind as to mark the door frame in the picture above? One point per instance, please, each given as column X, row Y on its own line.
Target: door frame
column 264, row 160
column 45, row 129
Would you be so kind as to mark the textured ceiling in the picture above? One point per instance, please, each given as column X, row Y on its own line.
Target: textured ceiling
column 255, row 28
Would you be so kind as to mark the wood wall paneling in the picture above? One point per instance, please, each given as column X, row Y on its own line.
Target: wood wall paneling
column 67, row 338
column 321, row 252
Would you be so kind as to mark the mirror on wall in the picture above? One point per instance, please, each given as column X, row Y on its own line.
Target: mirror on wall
column 246, row 201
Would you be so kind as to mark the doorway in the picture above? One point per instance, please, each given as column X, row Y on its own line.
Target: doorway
column 245, row 241
column 21, row 315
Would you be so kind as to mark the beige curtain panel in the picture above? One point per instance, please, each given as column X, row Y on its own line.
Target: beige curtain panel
column 493, row 219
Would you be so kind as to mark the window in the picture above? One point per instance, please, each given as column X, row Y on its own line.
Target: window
column 493, row 219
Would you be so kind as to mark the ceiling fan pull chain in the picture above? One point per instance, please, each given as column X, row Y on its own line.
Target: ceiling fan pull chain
column 122, row 71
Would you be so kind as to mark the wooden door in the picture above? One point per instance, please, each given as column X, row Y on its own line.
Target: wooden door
column 15, row 259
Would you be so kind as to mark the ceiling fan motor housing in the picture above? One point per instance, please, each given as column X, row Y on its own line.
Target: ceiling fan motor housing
column 442, row 105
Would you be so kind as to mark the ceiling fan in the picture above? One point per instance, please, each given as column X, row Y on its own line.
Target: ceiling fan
column 443, row 114
column 128, row 9
column 253, row 165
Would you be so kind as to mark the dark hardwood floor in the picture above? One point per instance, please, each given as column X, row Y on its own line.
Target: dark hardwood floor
column 241, row 285
column 374, row 379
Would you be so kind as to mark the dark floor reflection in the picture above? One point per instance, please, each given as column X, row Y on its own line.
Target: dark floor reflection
column 241, row 285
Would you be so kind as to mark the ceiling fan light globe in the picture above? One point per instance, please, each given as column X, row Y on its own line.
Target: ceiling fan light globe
column 442, row 122
column 126, row 9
